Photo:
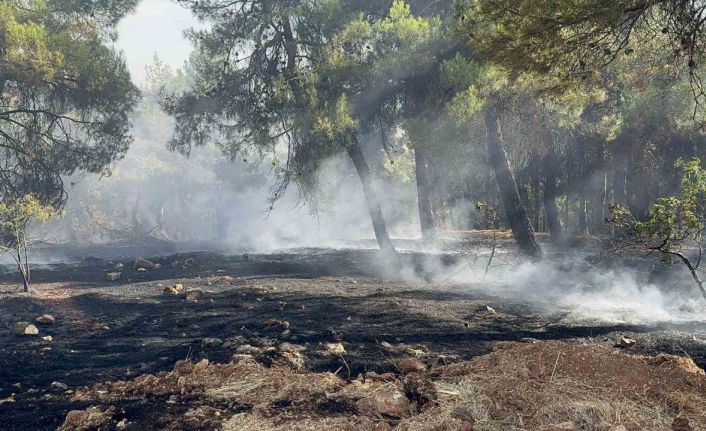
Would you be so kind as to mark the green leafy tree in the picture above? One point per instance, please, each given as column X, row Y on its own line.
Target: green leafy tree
column 16, row 215
column 675, row 223
column 65, row 95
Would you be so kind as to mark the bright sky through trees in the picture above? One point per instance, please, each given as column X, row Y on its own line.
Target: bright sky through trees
column 156, row 27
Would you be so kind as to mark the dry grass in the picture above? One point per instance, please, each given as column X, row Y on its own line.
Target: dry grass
column 520, row 387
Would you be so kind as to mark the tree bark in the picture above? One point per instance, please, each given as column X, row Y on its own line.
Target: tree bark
column 509, row 194
column 426, row 218
column 371, row 197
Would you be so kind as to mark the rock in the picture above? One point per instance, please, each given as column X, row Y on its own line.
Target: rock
column 211, row 342
column 273, row 323
column 119, row 267
column 190, row 262
column 247, row 349
column 45, row 319
column 157, row 265
column 112, row 276
column 681, row 424
column 91, row 418
column 333, row 349
column 122, row 424
column 47, row 339
column 141, row 269
column 392, row 403
column 411, row 365
column 486, row 309
column 626, row 343
column 170, row 290
column 193, row 295
column 387, row 345
column 143, row 263
column 58, row 387
column 179, row 287
column 286, row 334
column 25, row 328
column 242, row 359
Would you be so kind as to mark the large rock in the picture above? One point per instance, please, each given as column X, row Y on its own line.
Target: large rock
column 411, row 365
column 626, row 343
column 193, row 295
column 45, row 319
column 141, row 263
column 392, row 403
column 25, row 328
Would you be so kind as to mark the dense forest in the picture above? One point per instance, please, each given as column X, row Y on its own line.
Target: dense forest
column 530, row 132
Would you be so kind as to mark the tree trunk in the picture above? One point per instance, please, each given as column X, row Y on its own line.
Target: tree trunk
column 426, row 218
column 371, row 197
column 550, row 209
column 509, row 194
column 583, row 221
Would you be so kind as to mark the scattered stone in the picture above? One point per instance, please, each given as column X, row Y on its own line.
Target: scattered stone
column 211, row 342
column 286, row 334
column 387, row 345
column 112, row 276
column 411, row 365
column 143, row 263
column 193, row 295
column 333, row 349
column 91, row 418
column 626, row 343
column 170, row 290
column 122, row 424
column 486, row 309
column 45, row 319
column 47, row 339
column 273, row 323
column 58, row 387
column 157, row 265
column 141, row 269
column 392, row 403
column 25, row 328
column 179, row 287
column 247, row 349
column 190, row 262
column 529, row 340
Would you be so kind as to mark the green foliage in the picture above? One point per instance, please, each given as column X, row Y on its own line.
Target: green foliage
column 675, row 219
column 16, row 215
column 65, row 95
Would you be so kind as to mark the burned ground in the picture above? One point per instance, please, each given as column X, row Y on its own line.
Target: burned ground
column 119, row 331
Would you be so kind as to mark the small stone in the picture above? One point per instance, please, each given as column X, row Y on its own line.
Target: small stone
column 25, row 328
column 45, row 319
column 392, row 403
column 247, row 349
column 286, row 334
column 47, row 339
column 141, row 269
column 112, row 276
column 211, row 342
column 190, row 262
column 333, row 349
column 59, row 387
column 122, row 424
column 143, row 263
column 626, row 343
column 487, row 309
column 179, row 287
column 387, row 345
column 411, row 365
column 193, row 295
column 170, row 290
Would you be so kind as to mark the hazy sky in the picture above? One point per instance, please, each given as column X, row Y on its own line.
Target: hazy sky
column 157, row 26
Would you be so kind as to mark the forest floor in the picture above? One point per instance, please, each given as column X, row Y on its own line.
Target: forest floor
column 323, row 340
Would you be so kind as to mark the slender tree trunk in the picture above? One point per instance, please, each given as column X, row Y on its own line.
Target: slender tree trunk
column 371, row 197
column 583, row 216
column 550, row 209
column 509, row 194
column 424, row 185
column 536, row 201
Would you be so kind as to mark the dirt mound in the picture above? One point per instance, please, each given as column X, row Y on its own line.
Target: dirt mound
column 540, row 386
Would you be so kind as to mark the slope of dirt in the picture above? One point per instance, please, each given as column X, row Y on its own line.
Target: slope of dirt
column 537, row 386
